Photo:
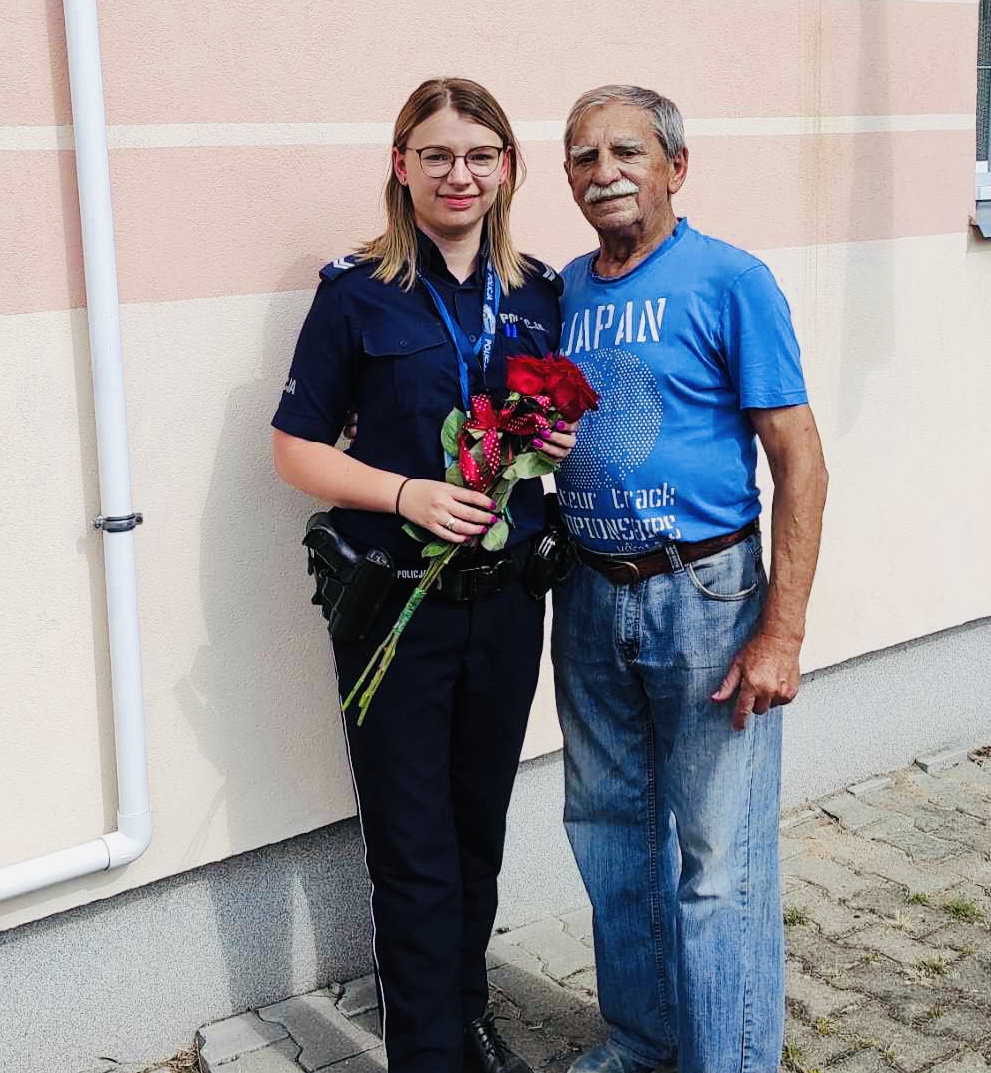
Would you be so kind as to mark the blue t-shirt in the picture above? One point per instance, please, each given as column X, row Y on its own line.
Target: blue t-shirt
column 679, row 349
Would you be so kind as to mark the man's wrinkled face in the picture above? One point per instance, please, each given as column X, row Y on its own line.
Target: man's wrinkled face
column 619, row 174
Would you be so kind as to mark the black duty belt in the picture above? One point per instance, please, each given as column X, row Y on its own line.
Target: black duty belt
column 476, row 574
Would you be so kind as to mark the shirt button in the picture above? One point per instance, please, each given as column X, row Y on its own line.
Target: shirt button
column 471, row 338
column 404, row 342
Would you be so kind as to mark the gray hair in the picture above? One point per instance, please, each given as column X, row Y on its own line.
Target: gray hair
column 668, row 123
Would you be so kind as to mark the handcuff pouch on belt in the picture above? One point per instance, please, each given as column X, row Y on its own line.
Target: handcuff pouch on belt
column 350, row 586
column 552, row 557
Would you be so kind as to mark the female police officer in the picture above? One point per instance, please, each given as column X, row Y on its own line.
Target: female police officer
column 415, row 323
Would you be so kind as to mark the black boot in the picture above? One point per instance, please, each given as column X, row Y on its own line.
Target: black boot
column 486, row 1051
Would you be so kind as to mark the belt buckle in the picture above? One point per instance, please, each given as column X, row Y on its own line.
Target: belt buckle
column 626, row 565
column 484, row 579
column 474, row 581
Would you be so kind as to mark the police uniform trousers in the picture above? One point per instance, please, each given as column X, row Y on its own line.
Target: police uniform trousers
column 433, row 766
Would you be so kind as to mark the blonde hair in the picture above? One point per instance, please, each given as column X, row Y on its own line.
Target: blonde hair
column 396, row 248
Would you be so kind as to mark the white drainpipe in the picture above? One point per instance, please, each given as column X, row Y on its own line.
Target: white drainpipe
column 118, row 519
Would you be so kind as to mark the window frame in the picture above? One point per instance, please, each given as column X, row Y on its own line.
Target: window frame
column 982, row 170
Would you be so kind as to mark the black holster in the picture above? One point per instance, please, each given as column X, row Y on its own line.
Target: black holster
column 350, row 586
column 552, row 557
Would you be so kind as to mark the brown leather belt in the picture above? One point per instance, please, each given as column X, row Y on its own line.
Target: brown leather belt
column 663, row 560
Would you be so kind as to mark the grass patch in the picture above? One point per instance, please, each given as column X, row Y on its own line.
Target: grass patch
column 795, row 916
column 963, row 908
column 917, row 897
column 886, row 1052
column 825, row 1026
column 937, row 1009
column 791, row 1057
column 934, row 966
column 183, row 1062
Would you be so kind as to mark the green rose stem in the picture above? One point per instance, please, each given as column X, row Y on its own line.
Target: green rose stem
column 383, row 655
column 387, row 649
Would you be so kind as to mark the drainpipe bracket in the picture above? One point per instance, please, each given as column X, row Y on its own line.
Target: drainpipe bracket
column 122, row 523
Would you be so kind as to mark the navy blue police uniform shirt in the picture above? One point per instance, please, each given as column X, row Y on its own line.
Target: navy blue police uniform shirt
column 371, row 347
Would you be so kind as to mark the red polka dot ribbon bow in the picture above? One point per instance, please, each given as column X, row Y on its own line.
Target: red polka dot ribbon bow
column 492, row 423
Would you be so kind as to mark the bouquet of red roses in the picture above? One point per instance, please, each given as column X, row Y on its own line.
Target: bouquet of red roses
column 491, row 449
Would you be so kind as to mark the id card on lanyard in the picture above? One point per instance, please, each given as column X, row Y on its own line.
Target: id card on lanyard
column 481, row 351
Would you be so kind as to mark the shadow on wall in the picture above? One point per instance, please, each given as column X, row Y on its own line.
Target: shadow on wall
column 241, row 701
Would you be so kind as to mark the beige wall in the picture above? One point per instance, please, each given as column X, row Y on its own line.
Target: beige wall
column 834, row 138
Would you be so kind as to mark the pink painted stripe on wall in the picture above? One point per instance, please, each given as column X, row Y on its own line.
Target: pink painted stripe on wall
column 765, row 193
column 207, row 222
column 296, row 61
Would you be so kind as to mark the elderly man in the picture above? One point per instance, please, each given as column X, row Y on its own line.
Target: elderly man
column 673, row 652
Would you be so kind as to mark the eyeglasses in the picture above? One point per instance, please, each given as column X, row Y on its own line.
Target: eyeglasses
column 436, row 161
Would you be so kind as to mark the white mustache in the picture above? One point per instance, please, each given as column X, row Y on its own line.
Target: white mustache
column 620, row 188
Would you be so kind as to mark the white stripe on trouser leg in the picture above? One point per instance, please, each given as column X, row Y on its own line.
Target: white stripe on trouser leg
column 371, row 897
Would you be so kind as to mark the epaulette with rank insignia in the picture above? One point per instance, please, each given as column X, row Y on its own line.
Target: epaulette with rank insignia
column 544, row 271
column 337, row 268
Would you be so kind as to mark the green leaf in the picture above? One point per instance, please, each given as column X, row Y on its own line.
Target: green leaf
column 530, row 464
column 453, row 475
column 435, row 548
column 417, row 532
column 503, row 489
column 450, row 431
column 496, row 537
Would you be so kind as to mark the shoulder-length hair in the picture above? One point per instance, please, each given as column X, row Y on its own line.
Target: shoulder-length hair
column 396, row 248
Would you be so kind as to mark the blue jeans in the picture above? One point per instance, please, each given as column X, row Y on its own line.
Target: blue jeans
column 672, row 814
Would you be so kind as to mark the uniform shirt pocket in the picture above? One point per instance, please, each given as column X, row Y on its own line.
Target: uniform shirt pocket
column 412, row 365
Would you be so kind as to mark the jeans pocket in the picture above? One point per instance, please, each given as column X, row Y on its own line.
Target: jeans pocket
column 733, row 574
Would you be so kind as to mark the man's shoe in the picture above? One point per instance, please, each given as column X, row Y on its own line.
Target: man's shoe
column 487, row 1052
column 608, row 1058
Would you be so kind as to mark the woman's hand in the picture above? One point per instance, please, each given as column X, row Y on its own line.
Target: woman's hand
column 452, row 513
column 557, row 445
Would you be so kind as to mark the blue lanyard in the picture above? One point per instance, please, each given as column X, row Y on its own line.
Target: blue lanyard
column 482, row 349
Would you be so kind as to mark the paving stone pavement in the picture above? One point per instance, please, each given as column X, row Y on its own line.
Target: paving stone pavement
column 887, row 906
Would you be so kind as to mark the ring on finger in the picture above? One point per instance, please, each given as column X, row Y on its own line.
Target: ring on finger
column 450, row 523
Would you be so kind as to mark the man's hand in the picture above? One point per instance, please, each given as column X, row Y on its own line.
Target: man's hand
column 763, row 674
column 765, row 671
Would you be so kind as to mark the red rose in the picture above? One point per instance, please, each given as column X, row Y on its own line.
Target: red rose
column 557, row 377
column 525, row 375
column 553, row 375
column 571, row 394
